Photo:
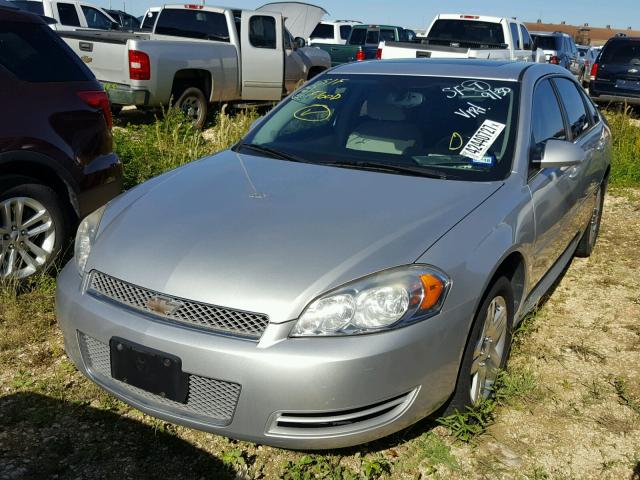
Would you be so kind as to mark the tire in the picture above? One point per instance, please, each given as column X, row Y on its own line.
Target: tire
column 477, row 358
column 116, row 109
column 590, row 235
column 194, row 105
column 30, row 244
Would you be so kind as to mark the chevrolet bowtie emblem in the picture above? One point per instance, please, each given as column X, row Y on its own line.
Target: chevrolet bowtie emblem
column 163, row 305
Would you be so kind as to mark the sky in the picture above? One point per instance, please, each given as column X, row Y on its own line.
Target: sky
column 419, row 13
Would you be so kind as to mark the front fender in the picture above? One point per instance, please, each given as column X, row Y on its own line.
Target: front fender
column 473, row 250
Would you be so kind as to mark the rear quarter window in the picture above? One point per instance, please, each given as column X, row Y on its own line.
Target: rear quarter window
column 68, row 14
column 345, row 30
column 573, row 105
column 33, row 53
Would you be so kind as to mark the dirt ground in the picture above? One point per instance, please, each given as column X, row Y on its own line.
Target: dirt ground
column 570, row 408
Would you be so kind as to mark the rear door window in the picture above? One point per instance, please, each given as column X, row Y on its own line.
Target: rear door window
column 149, row 21
column 625, row 53
column 193, row 24
column 262, row 32
column 34, row 53
column 345, row 30
column 323, row 31
column 574, row 106
column 68, row 14
column 515, row 34
column 95, row 18
column 527, row 42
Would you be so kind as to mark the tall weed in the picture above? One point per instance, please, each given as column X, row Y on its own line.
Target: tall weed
column 625, row 165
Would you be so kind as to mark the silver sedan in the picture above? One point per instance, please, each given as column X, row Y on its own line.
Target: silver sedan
column 359, row 260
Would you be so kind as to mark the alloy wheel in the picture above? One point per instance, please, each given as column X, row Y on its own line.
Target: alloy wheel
column 27, row 237
column 191, row 108
column 489, row 351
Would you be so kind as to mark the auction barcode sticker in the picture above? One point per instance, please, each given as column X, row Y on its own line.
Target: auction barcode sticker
column 481, row 142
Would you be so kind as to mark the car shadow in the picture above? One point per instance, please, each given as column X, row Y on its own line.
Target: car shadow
column 636, row 472
column 42, row 437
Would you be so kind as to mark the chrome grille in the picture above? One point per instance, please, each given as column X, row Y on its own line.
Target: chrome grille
column 201, row 315
column 209, row 400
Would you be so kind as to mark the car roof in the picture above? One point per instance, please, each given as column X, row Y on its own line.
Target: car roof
column 550, row 34
column 9, row 12
column 463, row 68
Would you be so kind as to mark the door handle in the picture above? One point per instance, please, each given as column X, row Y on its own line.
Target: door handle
column 333, row 49
column 86, row 46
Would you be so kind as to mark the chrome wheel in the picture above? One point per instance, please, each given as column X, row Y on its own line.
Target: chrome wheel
column 27, row 237
column 190, row 106
column 489, row 351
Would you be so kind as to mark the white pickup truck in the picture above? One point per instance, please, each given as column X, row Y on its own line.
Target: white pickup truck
column 468, row 36
column 196, row 55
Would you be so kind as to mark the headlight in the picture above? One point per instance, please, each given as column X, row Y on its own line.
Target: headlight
column 85, row 237
column 385, row 300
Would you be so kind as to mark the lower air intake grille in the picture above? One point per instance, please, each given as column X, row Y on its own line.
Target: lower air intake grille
column 342, row 421
column 199, row 315
column 209, row 400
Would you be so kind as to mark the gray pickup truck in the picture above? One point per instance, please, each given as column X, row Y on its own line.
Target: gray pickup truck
column 198, row 55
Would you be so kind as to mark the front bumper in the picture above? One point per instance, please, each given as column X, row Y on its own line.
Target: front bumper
column 302, row 393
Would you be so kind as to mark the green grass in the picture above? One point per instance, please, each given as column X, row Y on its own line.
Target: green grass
column 149, row 150
column 625, row 165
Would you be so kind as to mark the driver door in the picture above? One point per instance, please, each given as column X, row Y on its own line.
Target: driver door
column 262, row 56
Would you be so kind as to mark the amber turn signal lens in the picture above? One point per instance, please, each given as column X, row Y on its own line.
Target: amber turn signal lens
column 433, row 288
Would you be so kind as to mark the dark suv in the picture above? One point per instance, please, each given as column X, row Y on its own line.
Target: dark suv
column 56, row 158
column 616, row 74
column 559, row 49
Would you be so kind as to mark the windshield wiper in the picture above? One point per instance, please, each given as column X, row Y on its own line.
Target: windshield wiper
column 383, row 167
column 272, row 152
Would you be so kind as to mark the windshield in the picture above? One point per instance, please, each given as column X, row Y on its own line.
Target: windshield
column 459, row 128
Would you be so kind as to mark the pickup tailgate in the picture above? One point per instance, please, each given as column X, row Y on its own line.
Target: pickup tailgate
column 105, row 53
column 417, row 50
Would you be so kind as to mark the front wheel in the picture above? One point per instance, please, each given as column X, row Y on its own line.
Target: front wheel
column 194, row 105
column 487, row 350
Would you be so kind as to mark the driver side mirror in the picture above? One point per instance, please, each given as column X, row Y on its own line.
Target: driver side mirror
column 560, row 153
column 299, row 42
column 115, row 26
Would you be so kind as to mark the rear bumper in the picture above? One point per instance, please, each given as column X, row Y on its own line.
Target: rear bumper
column 102, row 182
column 126, row 95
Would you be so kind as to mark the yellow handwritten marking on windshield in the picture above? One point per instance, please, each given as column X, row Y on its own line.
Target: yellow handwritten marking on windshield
column 456, row 142
column 314, row 113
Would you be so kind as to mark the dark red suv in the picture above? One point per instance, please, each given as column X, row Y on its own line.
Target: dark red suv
column 56, row 158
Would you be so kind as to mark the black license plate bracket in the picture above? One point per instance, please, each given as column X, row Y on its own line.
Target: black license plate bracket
column 148, row 369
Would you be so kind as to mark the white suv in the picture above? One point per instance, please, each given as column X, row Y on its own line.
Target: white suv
column 335, row 33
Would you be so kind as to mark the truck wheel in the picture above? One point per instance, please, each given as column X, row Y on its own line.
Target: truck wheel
column 194, row 105
column 33, row 227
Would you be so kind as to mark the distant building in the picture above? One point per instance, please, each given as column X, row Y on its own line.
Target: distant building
column 585, row 34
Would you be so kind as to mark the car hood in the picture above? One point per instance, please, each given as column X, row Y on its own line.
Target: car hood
column 267, row 235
